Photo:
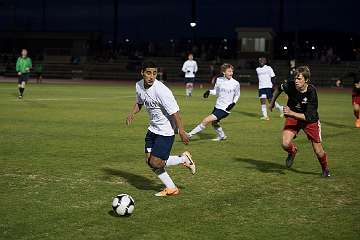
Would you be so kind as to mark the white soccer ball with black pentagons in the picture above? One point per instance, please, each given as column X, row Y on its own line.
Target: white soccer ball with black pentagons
column 123, row 204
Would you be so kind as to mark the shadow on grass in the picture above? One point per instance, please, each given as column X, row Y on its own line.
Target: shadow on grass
column 270, row 167
column 336, row 125
column 203, row 136
column 113, row 214
column 140, row 182
column 248, row 114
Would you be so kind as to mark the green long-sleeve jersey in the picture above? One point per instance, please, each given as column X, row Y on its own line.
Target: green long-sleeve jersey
column 23, row 65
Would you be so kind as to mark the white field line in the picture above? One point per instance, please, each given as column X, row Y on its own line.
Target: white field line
column 69, row 99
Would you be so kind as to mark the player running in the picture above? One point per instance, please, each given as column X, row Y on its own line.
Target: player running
column 356, row 100
column 227, row 91
column 189, row 68
column 164, row 119
column 266, row 78
column 301, row 113
column 355, row 94
column 23, row 66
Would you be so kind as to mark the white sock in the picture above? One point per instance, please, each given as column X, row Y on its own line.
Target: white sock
column 220, row 132
column 278, row 106
column 175, row 160
column 263, row 110
column 190, row 91
column 191, row 87
column 197, row 129
column 187, row 92
column 166, row 180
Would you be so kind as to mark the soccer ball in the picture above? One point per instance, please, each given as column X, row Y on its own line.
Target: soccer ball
column 123, row 204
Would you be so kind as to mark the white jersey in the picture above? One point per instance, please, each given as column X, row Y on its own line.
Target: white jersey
column 265, row 74
column 227, row 92
column 190, row 68
column 160, row 104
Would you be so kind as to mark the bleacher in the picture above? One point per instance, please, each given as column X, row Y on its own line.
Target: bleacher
column 124, row 69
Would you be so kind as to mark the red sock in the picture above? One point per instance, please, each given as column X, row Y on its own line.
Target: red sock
column 323, row 161
column 291, row 148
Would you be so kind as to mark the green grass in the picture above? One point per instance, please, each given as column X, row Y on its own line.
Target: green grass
column 65, row 152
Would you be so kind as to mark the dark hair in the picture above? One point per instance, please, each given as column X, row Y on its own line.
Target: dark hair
column 305, row 71
column 148, row 64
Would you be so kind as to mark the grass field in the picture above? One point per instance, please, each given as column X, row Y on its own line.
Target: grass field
column 65, row 152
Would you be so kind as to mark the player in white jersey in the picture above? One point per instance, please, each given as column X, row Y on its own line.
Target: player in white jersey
column 227, row 91
column 265, row 75
column 189, row 68
column 164, row 121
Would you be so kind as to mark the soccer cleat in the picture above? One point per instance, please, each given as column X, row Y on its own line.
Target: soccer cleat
column 325, row 172
column 190, row 164
column 290, row 158
column 219, row 139
column 265, row 118
column 168, row 192
column 357, row 123
column 20, row 97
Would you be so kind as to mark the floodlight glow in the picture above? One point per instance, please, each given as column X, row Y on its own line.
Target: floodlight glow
column 313, row 47
column 193, row 24
column 285, row 47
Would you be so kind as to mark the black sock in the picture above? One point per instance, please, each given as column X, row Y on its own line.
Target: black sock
column 22, row 91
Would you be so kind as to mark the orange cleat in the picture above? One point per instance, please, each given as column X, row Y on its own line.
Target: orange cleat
column 357, row 123
column 168, row 192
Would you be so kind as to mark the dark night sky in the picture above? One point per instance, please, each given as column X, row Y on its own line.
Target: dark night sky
column 165, row 19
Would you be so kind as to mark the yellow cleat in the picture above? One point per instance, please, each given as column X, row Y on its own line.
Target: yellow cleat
column 168, row 192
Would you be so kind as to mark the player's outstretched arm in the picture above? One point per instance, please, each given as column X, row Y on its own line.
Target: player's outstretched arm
column 179, row 125
column 136, row 108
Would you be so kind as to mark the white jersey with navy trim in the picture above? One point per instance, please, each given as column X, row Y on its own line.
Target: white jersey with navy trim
column 190, row 68
column 227, row 92
column 265, row 73
column 160, row 104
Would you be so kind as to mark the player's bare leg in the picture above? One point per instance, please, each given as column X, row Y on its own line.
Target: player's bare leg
column 158, row 167
column 322, row 157
column 21, row 89
column 356, row 114
column 191, row 87
column 289, row 146
column 188, row 89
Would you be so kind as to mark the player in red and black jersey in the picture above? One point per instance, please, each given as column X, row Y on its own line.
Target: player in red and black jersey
column 301, row 113
column 356, row 100
column 355, row 94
